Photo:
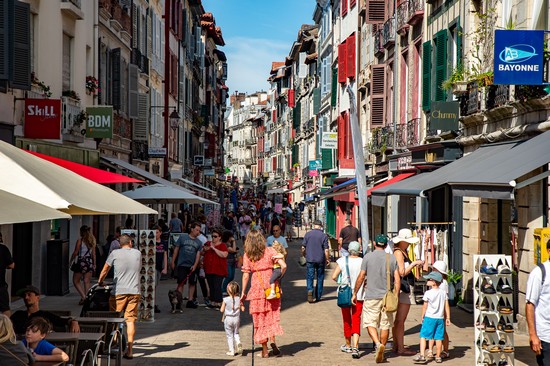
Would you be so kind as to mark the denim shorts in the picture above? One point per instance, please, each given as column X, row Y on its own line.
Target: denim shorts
column 433, row 329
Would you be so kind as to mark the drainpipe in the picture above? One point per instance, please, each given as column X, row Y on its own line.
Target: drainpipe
column 167, row 66
column 395, row 75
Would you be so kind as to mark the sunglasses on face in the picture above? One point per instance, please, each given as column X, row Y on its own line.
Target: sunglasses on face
column 215, row 236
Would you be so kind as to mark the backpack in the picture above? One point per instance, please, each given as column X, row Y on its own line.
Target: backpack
column 543, row 270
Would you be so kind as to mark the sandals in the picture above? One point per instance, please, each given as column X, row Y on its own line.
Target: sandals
column 438, row 360
column 81, row 302
column 345, row 349
column 420, row 360
column 275, row 349
column 495, row 349
column 355, row 352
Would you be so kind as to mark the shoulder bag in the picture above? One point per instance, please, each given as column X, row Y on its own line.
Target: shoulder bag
column 344, row 291
column 390, row 301
column 267, row 291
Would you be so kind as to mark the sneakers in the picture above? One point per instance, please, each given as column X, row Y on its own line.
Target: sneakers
column 345, row 349
column 272, row 296
column 380, row 348
column 355, row 353
column 310, row 297
column 191, row 304
column 239, row 348
column 229, row 353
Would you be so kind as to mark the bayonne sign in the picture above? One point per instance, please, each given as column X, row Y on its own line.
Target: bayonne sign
column 43, row 118
column 519, row 57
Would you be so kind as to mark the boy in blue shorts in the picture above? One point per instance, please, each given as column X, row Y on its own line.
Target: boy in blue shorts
column 435, row 314
column 41, row 349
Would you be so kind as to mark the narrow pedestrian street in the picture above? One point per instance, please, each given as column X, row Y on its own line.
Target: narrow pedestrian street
column 313, row 332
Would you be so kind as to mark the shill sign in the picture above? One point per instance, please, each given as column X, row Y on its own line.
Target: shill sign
column 100, row 122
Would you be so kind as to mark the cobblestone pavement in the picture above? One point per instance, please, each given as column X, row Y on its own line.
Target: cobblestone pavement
column 313, row 332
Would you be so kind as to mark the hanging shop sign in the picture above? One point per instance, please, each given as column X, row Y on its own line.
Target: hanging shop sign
column 209, row 172
column 157, row 152
column 198, row 160
column 314, row 167
column 43, row 118
column 519, row 57
column 444, row 116
column 329, row 140
column 99, row 123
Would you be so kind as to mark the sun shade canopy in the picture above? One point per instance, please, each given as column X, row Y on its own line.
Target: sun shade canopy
column 18, row 209
column 158, row 193
column 44, row 182
column 94, row 174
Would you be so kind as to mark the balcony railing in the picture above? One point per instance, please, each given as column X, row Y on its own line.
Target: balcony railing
column 382, row 138
column 416, row 11
column 413, row 132
column 74, row 2
column 402, row 16
column 388, row 32
column 73, row 121
column 496, row 96
column 473, row 99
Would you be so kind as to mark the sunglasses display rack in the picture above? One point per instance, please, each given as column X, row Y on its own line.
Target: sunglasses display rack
column 146, row 244
column 493, row 310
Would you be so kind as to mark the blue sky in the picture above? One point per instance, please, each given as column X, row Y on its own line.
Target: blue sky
column 256, row 33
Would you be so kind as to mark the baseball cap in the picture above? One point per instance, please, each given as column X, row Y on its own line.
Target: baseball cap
column 29, row 288
column 436, row 276
column 381, row 239
column 354, row 245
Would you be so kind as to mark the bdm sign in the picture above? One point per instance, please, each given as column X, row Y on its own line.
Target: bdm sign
column 519, row 57
column 100, row 122
column 43, row 118
column 444, row 116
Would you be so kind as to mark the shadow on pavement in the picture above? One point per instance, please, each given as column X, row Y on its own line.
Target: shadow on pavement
column 146, row 349
column 293, row 348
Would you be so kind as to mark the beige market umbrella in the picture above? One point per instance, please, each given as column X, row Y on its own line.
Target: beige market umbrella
column 158, row 193
column 17, row 209
column 41, row 181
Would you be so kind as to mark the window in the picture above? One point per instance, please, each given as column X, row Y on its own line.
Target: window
column 326, row 72
column 67, row 62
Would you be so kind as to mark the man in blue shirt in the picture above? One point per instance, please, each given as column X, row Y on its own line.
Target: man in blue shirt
column 276, row 237
column 315, row 249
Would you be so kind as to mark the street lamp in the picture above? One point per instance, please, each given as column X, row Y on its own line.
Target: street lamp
column 174, row 119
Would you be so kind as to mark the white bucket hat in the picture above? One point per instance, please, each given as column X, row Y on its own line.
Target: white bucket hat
column 440, row 266
column 405, row 235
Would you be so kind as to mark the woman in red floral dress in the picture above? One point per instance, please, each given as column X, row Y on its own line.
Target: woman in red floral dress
column 257, row 267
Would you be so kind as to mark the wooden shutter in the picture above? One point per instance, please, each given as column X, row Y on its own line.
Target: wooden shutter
column 4, row 41
column 352, row 3
column 133, row 107
column 440, row 64
column 426, row 75
column 21, row 56
column 274, row 115
column 326, row 159
column 344, row 7
column 316, row 100
column 342, row 70
column 116, row 71
column 334, row 88
column 297, row 115
column 135, row 26
column 139, row 131
column 291, row 98
column 350, row 56
column 149, row 50
column 341, row 137
column 376, row 11
column 378, row 95
column 295, row 154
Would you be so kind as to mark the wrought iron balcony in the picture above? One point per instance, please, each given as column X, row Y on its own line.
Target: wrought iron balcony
column 402, row 16
column 416, row 11
column 473, row 99
column 388, row 32
column 413, row 132
column 377, row 40
column 496, row 96
column 381, row 139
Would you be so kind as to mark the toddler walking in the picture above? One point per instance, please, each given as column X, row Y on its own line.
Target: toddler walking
column 435, row 314
column 231, row 309
column 279, row 269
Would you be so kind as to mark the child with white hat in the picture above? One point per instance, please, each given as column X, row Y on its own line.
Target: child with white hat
column 441, row 267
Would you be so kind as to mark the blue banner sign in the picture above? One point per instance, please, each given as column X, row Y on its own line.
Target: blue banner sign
column 519, row 57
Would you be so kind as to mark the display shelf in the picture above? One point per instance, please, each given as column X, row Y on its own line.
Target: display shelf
column 491, row 315
column 147, row 247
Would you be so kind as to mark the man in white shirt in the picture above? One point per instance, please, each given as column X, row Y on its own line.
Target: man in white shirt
column 536, row 311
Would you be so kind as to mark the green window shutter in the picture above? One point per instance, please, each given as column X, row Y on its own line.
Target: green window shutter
column 440, row 64
column 296, row 116
column 426, row 75
column 295, row 154
column 334, row 87
column 316, row 100
column 326, row 159
column 459, row 43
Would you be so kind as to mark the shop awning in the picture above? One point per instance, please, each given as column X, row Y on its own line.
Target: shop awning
column 276, row 190
column 94, row 174
column 196, row 185
column 419, row 184
column 381, row 200
column 140, row 172
column 497, row 176
column 341, row 188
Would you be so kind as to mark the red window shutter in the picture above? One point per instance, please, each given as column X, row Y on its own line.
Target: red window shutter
column 350, row 55
column 344, row 7
column 378, row 95
column 376, row 11
column 291, row 102
column 341, row 137
column 349, row 139
column 352, row 3
column 273, row 163
column 274, row 115
column 342, row 63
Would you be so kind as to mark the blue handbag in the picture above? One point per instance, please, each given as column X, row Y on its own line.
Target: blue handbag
column 345, row 292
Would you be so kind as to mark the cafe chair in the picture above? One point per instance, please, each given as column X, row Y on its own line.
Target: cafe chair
column 70, row 349
column 88, row 358
column 103, row 314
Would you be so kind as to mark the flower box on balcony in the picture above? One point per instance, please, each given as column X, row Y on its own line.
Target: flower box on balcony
column 459, row 87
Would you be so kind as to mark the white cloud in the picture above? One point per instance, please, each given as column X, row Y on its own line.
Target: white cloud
column 249, row 62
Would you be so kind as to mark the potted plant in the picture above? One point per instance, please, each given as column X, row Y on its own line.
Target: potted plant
column 92, row 85
column 453, row 278
column 457, row 81
column 71, row 94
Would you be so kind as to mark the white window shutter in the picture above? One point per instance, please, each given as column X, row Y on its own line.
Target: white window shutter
column 149, row 51
column 133, row 75
column 135, row 25
column 302, row 73
column 140, row 124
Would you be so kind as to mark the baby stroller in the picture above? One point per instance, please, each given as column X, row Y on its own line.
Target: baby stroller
column 97, row 299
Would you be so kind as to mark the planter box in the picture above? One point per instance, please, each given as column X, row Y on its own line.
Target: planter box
column 460, row 87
